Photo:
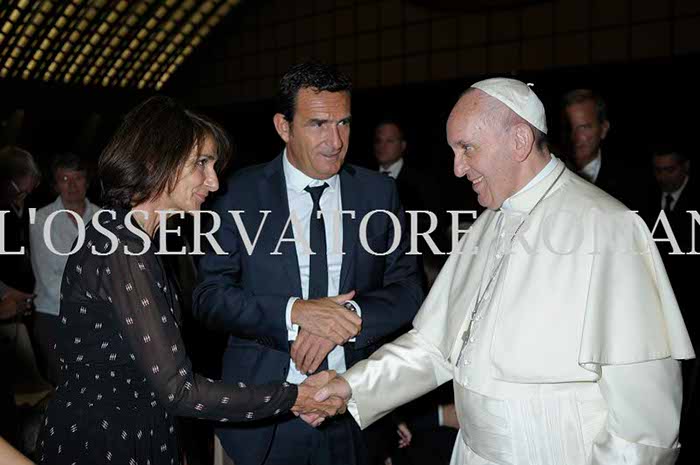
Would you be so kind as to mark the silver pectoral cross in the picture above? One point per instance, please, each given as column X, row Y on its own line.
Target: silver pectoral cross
column 465, row 340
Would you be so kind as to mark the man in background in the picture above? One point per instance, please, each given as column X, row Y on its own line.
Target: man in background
column 675, row 193
column 19, row 176
column 586, row 127
column 417, row 188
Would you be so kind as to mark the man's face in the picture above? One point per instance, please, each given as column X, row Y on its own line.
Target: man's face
column 479, row 154
column 23, row 187
column 586, row 131
column 670, row 172
column 71, row 185
column 318, row 136
column 388, row 144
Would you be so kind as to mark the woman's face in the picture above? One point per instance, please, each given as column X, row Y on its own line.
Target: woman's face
column 197, row 179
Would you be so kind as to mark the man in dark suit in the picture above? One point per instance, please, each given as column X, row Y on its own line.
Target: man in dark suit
column 675, row 192
column 418, row 190
column 587, row 126
column 289, row 311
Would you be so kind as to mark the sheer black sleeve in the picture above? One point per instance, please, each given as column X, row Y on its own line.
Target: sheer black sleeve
column 143, row 304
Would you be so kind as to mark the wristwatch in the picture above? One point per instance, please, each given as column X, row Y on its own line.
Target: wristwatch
column 349, row 306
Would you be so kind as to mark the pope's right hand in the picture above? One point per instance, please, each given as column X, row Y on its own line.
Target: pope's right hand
column 335, row 388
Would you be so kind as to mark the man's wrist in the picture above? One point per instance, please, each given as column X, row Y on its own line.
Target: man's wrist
column 296, row 311
column 292, row 328
column 350, row 306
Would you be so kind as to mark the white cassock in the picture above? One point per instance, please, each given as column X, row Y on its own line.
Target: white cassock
column 571, row 354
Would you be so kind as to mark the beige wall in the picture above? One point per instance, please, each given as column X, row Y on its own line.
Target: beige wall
column 392, row 42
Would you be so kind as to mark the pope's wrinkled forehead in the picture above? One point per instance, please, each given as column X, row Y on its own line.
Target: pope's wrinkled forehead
column 468, row 114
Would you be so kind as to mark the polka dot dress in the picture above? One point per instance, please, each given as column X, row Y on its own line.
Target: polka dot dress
column 124, row 371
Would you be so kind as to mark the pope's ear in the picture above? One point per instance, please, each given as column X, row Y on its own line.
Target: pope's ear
column 281, row 126
column 523, row 139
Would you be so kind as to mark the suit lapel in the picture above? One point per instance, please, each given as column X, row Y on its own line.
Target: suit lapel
column 274, row 190
column 351, row 202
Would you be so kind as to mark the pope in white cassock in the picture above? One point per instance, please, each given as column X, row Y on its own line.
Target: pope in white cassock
column 554, row 317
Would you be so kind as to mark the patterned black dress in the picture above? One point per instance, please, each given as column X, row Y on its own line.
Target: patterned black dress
column 124, row 373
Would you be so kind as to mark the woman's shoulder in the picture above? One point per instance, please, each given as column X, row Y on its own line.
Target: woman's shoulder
column 113, row 229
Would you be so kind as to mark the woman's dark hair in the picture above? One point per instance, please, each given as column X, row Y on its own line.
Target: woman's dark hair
column 147, row 153
column 311, row 75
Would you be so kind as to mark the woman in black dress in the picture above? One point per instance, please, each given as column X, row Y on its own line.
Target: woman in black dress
column 125, row 374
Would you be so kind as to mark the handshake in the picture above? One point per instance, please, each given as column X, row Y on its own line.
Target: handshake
column 324, row 323
column 322, row 395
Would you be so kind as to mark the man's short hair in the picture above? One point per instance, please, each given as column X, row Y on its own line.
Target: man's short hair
column 310, row 75
column 661, row 150
column 17, row 163
column 585, row 95
column 67, row 161
column 392, row 120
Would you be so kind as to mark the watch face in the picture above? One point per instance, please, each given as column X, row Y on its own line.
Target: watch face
column 350, row 307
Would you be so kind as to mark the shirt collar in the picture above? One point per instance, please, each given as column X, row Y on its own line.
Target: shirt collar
column 677, row 193
column 394, row 169
column 592, row 168
column 511, row 203
column 87, row 213
column 297, row 180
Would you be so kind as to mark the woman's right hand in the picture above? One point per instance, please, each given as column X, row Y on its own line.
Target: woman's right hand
column 307, row 406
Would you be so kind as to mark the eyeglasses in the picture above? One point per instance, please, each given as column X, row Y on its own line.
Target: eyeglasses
column 21, row 194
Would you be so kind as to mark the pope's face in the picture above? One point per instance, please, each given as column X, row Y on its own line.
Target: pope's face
column 317, row 137
column 478, row 148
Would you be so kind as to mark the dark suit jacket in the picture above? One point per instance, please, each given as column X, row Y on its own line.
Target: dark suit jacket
column 246, row 295
column 16, row 269
column 420, row 191
column 684, row 283
column 623, row 181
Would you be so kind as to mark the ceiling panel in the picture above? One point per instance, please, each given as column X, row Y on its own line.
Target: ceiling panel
column 108, row 43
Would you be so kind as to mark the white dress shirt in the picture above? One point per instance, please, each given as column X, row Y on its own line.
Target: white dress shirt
column 675, row 195
column 48, row 266
column 591, row 171
column 300, row 206
column 394, row 169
